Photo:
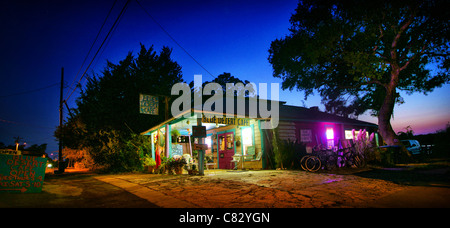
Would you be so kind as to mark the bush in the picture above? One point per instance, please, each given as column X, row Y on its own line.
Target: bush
column 286, row 153
column 148, row 160
column 115, row 153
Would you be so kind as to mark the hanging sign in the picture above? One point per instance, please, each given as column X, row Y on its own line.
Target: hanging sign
column 305, row 135
column 200, row 146
column 199, row 131
column 227, row 121
column 10, row 152
column 148, row 104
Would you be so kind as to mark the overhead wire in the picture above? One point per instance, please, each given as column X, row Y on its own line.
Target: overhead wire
column 112, row 29
column 98, row 50
column 93, row 43
column 173, row 39
column 24, row 124
column 30, row 91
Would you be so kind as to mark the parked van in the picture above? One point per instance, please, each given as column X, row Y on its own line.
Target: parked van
column 413, row 146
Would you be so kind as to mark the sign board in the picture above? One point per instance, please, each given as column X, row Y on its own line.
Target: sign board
column 20, row 173
column 200, row 146
column 10, row 152
column 305, row 135
column 148, row 104
column 225, row 120
column 199, row 131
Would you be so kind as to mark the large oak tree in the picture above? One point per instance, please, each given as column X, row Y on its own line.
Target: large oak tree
column 359, row 54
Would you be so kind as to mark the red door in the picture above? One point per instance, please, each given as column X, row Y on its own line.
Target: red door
column 226, row 150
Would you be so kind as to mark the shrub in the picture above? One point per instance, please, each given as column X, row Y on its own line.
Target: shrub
column 115, row 153
column 287, row 152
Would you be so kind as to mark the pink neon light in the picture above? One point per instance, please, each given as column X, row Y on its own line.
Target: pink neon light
column 330, row 133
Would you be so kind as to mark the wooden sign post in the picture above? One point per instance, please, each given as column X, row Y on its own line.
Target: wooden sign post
column 199, row 132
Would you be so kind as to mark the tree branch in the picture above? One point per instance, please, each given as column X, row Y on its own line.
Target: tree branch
column 412, row 58
column 357, row 86
column 399, row 33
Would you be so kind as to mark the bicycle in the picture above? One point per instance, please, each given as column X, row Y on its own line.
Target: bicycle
column 330, row 159
column 350, row 158
column 321, row 158
column 310, row 163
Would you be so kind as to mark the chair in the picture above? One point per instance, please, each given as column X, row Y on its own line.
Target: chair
column 236, row 159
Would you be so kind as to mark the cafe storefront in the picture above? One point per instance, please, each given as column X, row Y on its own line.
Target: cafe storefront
column 232, row 143
column 239, row 142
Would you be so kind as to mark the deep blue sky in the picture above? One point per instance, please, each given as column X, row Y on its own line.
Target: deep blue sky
column 40, row 37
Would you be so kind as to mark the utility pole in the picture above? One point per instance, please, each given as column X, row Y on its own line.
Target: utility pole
column 61, row 102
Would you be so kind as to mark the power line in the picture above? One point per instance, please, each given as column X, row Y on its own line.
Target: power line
column 104, row 40
column 173, row 39
column 24, row 124
column 95, row 40
column 30, row 91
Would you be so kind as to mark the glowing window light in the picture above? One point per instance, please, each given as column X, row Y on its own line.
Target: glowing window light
column 208, row 141
column 330, row 133
column 247, row 136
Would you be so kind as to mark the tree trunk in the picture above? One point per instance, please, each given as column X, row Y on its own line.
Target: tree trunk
column 384, row 118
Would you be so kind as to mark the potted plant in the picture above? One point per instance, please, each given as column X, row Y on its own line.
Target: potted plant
column 179, row 163
column 176, row 164
column 194, row 170
column 191, row 169
column 149, row 163
column 175, row 134
column 168, row 165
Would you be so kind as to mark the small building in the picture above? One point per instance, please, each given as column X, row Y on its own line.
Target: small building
column 312, row 127
column 240, row 142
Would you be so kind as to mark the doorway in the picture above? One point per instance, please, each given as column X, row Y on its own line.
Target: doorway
column 226, row 150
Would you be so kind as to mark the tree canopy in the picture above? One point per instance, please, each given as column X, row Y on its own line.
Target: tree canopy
column 357, row 54
column 111, row 100
column 107, row 121
column 222, row 80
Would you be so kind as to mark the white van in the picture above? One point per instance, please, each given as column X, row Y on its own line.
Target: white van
column 413, row 146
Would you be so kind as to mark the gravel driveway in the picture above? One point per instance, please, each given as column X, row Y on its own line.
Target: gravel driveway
column 277, row 189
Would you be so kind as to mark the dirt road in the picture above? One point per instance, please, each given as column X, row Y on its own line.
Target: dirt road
column 242, row 189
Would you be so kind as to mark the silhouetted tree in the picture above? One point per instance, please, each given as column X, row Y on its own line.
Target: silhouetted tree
column 364, row 52
column 108, row 113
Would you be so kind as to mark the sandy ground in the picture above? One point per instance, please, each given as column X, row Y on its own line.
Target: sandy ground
column 385, row 188
column 286, row 189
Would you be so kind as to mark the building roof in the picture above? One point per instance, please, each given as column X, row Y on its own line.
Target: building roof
column 286, row 113
column 295, row 113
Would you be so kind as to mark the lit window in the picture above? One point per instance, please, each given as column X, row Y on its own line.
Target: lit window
column 330, row 133
column 348, row 134
column 247, row 136
column 208, row 141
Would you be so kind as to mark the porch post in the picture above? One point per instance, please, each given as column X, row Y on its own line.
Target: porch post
column 201, row 153
column 168, row 141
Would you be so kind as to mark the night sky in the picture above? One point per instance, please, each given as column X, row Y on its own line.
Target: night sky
column 40, row 37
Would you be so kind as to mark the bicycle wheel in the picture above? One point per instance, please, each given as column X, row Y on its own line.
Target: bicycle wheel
column 303, row 162
column 313, row 163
